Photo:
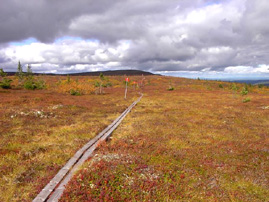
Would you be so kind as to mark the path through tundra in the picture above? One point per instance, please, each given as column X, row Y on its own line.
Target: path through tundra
column 54, row 189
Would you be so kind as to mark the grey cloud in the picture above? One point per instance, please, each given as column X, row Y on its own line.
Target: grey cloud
column 172, row 35
column 246, row 37
column 44, row 19
column 255, row 18
column 3, row 60
column 157, row 50
column 106, row 20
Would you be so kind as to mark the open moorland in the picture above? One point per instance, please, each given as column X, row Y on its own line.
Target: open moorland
column 186, row 140
column 41, row 129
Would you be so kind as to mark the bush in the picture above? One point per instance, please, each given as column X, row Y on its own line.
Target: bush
column 6, row 83
column 234, row 87
column 260, row 85
column 246, row 100
column 108, row 84
column 74, row 92
column 97, row 84
column 171, row 88
column 30, row 84
column 220, row 86
column 69, row 86
column 40, row 84
column 2, row 73
column 244, row 90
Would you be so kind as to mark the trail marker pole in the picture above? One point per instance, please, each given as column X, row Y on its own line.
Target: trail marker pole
column 126, row 81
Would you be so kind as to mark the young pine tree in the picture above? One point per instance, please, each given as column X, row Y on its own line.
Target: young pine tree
column 102, row 78
column 29, row 72
column 19, row 73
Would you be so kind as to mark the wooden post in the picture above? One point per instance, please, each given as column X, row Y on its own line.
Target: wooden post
column 126, row 81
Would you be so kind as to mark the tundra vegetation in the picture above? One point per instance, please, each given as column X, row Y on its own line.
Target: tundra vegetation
column 5, row 83
column 197, row 142
column 41, row 129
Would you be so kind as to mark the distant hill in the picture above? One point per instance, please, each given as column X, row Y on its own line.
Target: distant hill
column 106, row 73
column 254, row 82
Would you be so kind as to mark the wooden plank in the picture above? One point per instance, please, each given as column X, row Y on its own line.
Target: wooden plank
column 50, row 192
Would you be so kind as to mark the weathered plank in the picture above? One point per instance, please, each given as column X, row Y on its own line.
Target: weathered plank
column 50, row 192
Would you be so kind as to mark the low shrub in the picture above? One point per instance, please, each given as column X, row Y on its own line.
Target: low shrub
column 5, row 83
column 246, row 100
column 75, row 92
column 234, row 87
column 108, row 84
column 31, row 84
column 71, row 86
column 97, row 84
column 220, row 86
column 40, row 84
column 171, row 88
column 2, row 73
column 244, row 90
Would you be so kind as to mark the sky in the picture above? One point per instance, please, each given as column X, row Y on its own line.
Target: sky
column 198, row 38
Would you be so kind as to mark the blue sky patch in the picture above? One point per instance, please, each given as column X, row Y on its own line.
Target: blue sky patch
column 24, row 42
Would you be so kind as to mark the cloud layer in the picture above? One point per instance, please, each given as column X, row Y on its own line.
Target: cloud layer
column 153, row 35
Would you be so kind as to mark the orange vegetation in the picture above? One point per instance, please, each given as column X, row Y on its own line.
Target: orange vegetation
column 199, row 141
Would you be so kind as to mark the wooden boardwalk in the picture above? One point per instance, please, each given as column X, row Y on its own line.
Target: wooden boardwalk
column 54, row 189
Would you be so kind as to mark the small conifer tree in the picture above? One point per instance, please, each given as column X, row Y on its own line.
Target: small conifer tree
column 68, row 78
column 29, row 71
column 244, row 90
column 102, row 78
column 19, row 73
